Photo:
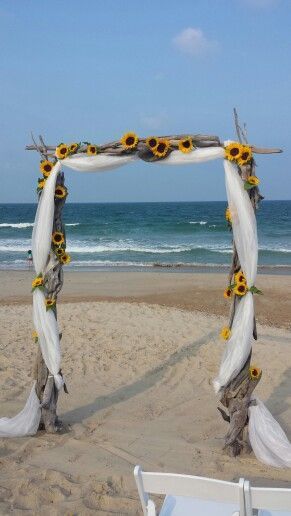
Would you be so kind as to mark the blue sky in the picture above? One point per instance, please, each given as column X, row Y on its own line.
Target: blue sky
column 92, row 70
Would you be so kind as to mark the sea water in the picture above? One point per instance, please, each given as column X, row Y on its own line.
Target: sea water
column 144, row 235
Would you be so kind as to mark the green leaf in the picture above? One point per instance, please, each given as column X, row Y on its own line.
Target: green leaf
column 255, row 290
column 248, row 186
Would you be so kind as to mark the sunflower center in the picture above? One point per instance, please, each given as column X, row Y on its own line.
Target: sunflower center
column 241, row 288
column 130, row 140
column 255, row 372
column 92, row 149
column 245, row 155
column 47, row 168
column 152, row 142
column 58, row 238
column 161, row 147
column 63, row 150
column 186, row 144
column 234, row 151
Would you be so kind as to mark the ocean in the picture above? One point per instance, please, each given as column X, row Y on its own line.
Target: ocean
column 174, row 235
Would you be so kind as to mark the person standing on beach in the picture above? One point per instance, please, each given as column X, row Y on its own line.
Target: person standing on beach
column 29, row 258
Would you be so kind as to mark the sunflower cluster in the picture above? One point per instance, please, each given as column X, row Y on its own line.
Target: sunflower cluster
column 63, row 150
column 50, row 303
column 241, row 154
column 37, row 283
column 158, row 146
column 59, row 246
column 255, row 373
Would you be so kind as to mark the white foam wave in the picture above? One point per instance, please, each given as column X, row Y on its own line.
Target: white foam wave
column 73, row 224
column 201, row 222
column 19, row 225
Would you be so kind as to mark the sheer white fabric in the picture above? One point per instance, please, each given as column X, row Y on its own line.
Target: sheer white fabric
column 43, row 224
column 26, row 422
column 244, row 229
column 98, row 163
column 269, row 442
column 47, row 329
column 196, row 156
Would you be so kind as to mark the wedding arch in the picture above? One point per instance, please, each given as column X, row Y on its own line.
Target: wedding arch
column 237, row 377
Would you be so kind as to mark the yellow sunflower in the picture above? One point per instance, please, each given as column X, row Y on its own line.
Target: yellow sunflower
column 227, row 293
column 40, row 184
column 253, row 180
column 37, row 282
column 240, row 289
column 92, row 150
column 34, row 336
column 186, row 145
column 46, row 167
column 255, row 372
column 239, row 277
column 59, row 251
column 62, row 151
column 50, row 303
column 58, row 238
column 225, row 333
column 129, row 140
column 73, row 147
column 65, row 259
column 61, row 192
column 152, row 142
column 228, row 215
column 162, row 148
column 246, row 155
column 233, row 151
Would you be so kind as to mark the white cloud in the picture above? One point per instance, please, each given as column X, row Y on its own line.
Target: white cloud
column 193, row 41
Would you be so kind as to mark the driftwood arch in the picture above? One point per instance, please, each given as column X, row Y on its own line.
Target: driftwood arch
column 235, row 387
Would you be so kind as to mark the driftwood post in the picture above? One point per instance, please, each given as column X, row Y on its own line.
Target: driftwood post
column 236, row 396
column 53, row 282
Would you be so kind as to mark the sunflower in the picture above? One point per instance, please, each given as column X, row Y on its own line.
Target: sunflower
column 62, row 151
column 40, row 184
column 240, row 289
column 228, row 215
column 186, row 145
column 92, row 150
column 129, row 140
column 59, row 251
column 233, row 151
column 37, row 283
column 58, row 238
column 73, row 147
column 162, row 148
column 239, row 277
column 246, row 155
column 61, row 192
column 35, row 336
column 152, row 142
column 65, row 259
column 253, row 180
column 46, row 167
column 227, row 293
column 255, row 372
column 50, row 303
column 225, row 333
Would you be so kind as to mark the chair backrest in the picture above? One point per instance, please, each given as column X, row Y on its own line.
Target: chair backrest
column 269, row 498
column 188, row 485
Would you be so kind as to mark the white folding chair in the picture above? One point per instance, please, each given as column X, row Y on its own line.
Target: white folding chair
column 189, row 496
column 267, row 501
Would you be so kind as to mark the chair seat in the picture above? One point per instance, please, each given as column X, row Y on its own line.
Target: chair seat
column 187, row 506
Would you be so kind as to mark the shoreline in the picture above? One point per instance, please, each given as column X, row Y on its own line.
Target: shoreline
column 199, row 291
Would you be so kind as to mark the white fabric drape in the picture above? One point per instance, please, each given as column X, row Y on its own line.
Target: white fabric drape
column 98, row 163
column 195, row 156
column 269, row 442
column 43, row 224
column 244, row 229
column 26, row 422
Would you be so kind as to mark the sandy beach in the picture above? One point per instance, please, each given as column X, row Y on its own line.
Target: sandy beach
column 140, row 351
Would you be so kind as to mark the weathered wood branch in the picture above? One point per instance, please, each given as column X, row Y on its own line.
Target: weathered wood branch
column 53, row 282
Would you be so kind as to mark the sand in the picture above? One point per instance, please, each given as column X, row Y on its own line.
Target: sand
column 139, row 374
